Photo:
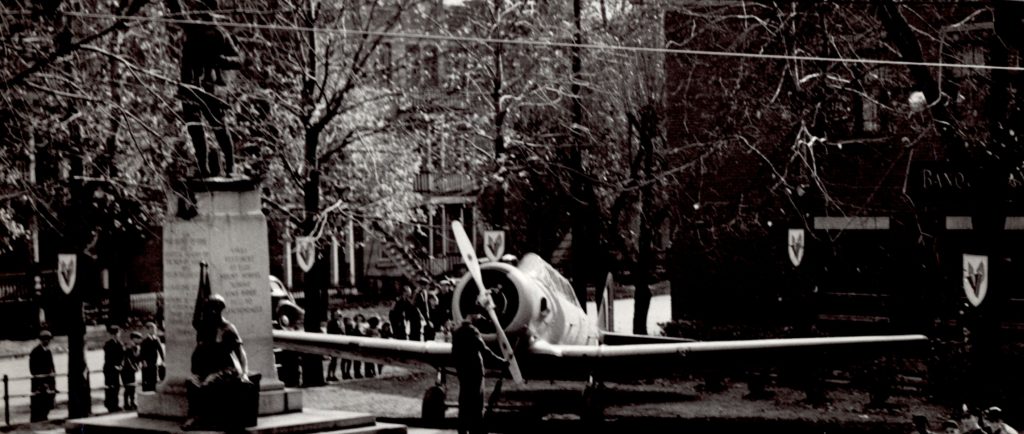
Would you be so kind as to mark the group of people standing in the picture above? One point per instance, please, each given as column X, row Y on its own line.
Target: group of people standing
column 358, row 325
column 970, row 420
column 123, row 358
column 423, row 314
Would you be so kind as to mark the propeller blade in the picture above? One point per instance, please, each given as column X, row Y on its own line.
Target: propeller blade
column 484, row 299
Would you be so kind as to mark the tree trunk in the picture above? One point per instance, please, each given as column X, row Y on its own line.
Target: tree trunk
column 497, row 91
column 79, row 398
column 645, row 249
column 579, row 197
column 314, row 284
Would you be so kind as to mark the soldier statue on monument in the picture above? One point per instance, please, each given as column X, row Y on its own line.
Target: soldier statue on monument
column 208, row 51
column 221, row 393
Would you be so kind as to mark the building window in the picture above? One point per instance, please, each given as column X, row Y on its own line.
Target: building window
column 971, row 55
column 412, row 56
column 872, row 100
column 869, row 116
column 384, row 60
column 530, row 7
column 428, row 66
column 437, row 226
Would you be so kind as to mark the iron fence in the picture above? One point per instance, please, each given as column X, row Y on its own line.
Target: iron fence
column 8, row 396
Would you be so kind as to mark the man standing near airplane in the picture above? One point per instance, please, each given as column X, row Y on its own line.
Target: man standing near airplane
column 469, row 351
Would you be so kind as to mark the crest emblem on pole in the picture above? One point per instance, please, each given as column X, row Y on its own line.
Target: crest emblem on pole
column 975, row 278
column 67, row 271
column 795, row 246
column 305, row 252
column 494, row 244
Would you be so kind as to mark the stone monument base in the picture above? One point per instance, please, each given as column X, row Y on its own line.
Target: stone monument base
column 307, row 421
column 175, row 406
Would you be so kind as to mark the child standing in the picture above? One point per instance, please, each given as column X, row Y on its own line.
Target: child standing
column 129, row 367
column 372, row 331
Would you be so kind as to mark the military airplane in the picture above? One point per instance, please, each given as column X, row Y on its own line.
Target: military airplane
column 550, row 337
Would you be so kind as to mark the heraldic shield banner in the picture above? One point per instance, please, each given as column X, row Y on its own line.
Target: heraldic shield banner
column 305, row 252
column 795, row 246
column 67, row 271
column 976, row 277
column 494, row 244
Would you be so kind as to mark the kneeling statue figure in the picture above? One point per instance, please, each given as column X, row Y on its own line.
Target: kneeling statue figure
column 222, row 394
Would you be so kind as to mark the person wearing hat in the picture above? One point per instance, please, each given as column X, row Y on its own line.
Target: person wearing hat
column 921, row 424
column 993, row 423
column 950, row 427
column 969, row 420
column 220, row 382
column 113, row 360
column 44, row 382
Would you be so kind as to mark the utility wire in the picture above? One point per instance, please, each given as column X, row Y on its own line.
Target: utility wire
column 548, row 44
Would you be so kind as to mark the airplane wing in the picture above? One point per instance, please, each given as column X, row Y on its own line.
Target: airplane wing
column 388, row 351
column 639, row 360
column 634, row 360
column 612, row 338
column 683, row 349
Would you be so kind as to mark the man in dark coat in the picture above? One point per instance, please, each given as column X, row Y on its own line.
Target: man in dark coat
column 44, row 384
column 151, row 352
column 470, row 351
column 113, row 358
column 399, row 313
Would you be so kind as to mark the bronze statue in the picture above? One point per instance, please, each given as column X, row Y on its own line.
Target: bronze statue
column 221, row 393
column 207, row 52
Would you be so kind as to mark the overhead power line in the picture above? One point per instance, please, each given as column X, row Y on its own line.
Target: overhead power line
column 548, row 44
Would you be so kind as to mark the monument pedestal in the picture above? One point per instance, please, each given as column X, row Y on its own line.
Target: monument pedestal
column 223, row 226
column 175, row 406
column 218, row 221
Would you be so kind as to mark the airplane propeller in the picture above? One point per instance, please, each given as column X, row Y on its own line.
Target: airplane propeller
column 484, row 299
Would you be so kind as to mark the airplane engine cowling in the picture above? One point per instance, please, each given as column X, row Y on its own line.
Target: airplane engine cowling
column 532, row 297
column 514, row 301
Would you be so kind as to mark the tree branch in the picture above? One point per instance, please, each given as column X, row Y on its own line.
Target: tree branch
column 65, row 49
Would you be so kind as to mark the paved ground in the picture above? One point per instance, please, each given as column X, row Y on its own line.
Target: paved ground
column 665, row 403
column 660, row 404
column 672, row 404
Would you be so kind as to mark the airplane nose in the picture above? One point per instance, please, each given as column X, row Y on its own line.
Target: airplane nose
column 503, row 291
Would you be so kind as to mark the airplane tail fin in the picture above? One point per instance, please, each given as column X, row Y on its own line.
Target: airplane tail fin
column 605, row 311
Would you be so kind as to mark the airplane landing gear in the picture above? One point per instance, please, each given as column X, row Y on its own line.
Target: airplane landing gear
column 434, row 405
column 593, row 401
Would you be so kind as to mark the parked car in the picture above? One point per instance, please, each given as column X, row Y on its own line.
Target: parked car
column 282, row 303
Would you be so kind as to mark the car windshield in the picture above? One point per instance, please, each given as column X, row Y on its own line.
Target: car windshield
column 277, row 288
